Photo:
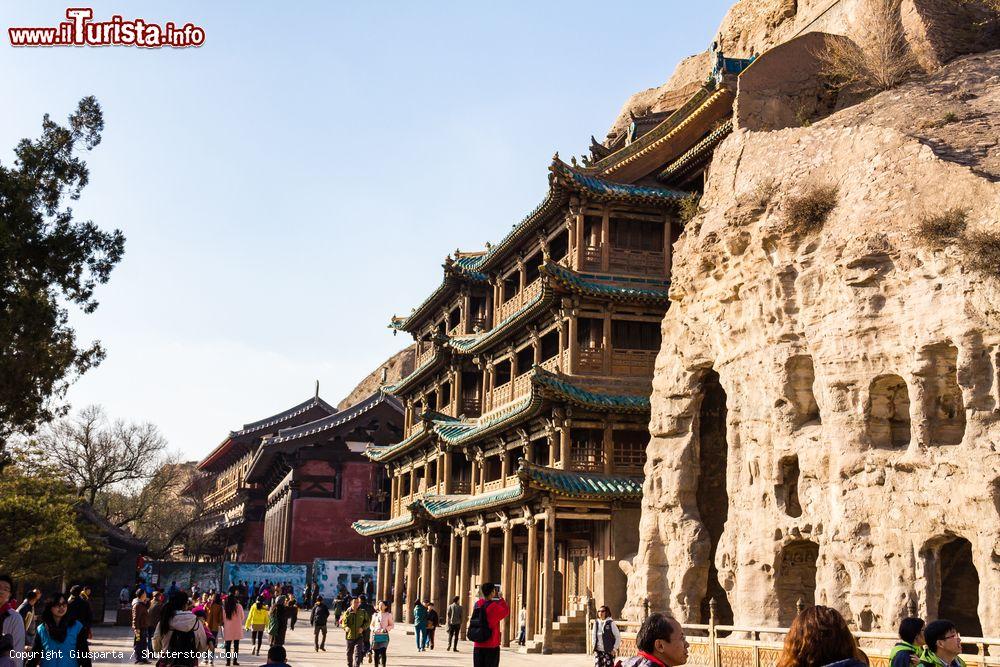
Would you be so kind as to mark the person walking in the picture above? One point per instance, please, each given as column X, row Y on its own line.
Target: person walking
column 339, row 606
column 382, row 623
column 27, row 611
column 909, row 649
column 819, row 637
column 318, row 618
column 661, row 643
column 179, row 633
column 606, row 638
column 140, row 627
column 453, row 617
column 277, row 621
column 432, row 623
column 355, row 621
column 420, row 623
column 944, row 643
column 257, row 622
column 522, row 624
column 233, row 618
column 79, row 606
column 368, row 607
column 60, row 640
column 11, row 622
column 484, row 626
column 293, row 612
column 214, row 613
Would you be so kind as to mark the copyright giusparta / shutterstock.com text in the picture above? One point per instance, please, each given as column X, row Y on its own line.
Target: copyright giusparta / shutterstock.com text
column 81, row 30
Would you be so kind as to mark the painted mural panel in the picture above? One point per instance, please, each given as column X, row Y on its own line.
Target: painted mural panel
column 187, row 575
column 354, row 577
column 260, row 572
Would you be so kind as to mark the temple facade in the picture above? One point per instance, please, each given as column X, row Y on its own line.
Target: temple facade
column 526, row 417
column 286, row 488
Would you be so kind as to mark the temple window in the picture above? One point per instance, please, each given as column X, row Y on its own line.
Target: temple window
column 431, row 399
column 550, row 345
column 420, row 475
column 634, row 335
column 501, row 373
column 590, row 333
column 445, row 393
column 525, row 358
column 587, row 449
column 592, row 230
column 454, row 318
column 642, row 235
column 404, row 485
column 540, row 451
column 461, row 472
column 431, row 474
column 491, row 468
column 472, row 393
column 480, row 313
column 630, row 450
column 531, row 268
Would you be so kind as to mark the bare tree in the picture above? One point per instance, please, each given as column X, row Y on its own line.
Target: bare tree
column 99, row 457
column 876, row 56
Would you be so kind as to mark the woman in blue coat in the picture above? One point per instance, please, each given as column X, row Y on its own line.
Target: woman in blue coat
column 60, row 640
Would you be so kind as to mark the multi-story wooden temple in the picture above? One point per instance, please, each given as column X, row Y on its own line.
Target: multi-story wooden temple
column 286, row 488
column 526, row 416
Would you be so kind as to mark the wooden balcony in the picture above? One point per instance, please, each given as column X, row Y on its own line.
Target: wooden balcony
column 633, row 363
column 425, row 356
column 640, row 262
column 495, row 485
column 591, row 258
column 518, row 301
column 590, row 360
column 222, row 493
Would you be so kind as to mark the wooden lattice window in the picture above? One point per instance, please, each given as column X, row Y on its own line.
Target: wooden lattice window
column 587, row 452
column 630, row 449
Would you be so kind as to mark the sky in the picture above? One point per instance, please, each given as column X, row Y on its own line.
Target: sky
column 297, row 180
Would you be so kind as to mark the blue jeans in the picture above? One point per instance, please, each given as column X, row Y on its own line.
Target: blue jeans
column 421, row 631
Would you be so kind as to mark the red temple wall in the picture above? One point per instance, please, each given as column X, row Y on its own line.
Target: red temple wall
column 252, row 549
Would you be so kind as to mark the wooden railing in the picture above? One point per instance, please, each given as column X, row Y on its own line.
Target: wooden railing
column 591, row 359
column 636, row 262
column 632, row 362
column 515, row 303
column 495, row 485
column 223, row 493
column 761, row 646
column 592, row 257
column 425, row 356
column 471, row 406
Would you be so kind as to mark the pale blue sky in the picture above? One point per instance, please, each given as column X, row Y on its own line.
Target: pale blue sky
column 290, row 185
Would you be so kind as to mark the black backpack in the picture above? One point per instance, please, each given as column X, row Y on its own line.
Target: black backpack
column 479, row 626
column 184, row 645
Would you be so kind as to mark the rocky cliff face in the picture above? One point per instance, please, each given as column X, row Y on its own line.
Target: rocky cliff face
column 396, row 367
column 826, row 406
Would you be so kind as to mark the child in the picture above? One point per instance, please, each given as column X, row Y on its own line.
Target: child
column 209, row 635
column 276, row 656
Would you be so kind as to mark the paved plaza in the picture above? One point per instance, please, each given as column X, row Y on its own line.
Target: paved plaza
column 402, row 651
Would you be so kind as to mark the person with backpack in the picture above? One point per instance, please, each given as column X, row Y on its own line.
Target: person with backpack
column 180, row 635
column 257, row 622
column 484, row 626
column 909, row 649
column 58, row 636
column 420, row 623
column 318, row 618
column 382, row 623
column 605, row 639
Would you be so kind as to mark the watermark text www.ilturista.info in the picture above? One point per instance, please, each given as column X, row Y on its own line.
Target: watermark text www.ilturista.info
column 82, row 30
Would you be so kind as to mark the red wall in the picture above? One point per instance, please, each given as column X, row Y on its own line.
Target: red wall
column 252, row 549
column 321, row 527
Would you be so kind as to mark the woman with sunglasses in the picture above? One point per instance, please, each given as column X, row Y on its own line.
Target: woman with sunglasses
column 59, row 638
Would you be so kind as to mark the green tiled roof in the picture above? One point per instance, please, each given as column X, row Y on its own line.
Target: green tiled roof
column 386, row 452
column 417, row 373
column 697, row 154
column 583, row 397
column 458, row 432
column 645, row 291
column 580, row 484
column 372, row 527
column 443, row 506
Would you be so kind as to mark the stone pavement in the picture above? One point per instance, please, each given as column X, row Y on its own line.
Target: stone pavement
column 402, row 651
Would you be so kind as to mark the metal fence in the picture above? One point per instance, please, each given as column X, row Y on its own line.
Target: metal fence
column 717, row 645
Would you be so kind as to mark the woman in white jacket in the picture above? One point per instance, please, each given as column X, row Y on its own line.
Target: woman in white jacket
column 382, row 623
column 179, row 635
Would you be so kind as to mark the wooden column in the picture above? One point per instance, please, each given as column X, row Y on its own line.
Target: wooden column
column 434, row 590
column 484, row 556
column 529, row 623
column 413, row 479
column 561, row 327
column 606, row 357
column 565, row 443
column 452, row 564
column 548, row 567
column 379, row 573
column 397, row 588
column 472, row 476
column 504, row 466
column 463, row 580
column 609, row 449
column 456, row 387
column 411, row 583
column 439, row 473
column 425, row 574
column 508, row 626
column 605, row 242
column 574, row 346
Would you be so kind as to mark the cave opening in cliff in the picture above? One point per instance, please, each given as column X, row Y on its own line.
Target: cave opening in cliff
column 712, row 495
column 888, row 412
column 795, row 580
column 799, row 389
column 959, row 590
column 942, row 395
column 787, row 491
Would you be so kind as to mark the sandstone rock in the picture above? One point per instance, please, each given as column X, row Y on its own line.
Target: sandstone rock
column 826, row 406
column 397, row 366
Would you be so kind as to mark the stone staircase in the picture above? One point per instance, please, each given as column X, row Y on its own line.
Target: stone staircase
column 568, row 634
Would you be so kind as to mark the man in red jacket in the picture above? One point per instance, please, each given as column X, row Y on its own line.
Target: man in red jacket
column 487, row 653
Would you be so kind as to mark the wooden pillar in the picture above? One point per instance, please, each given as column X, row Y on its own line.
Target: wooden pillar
column 434, row 589
column 472, row 476
column 561, row 327
column 397, row 588
column 446, row 474
column 413, row 479
column 605, row 242
column 574, row 346
column 393, row 493
column 484, row 556
column 463, row 580
column 425, row 574
column 379, row 573
column 504, row 465
column 530, row 603
column 565, row 442
column 508, row 626
column 606, row 344
column 609, row 449
column 452, row 564
column 481, row 462
column 456, row 387
column 548, row 567
column 439, row 472
column 411, row 583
